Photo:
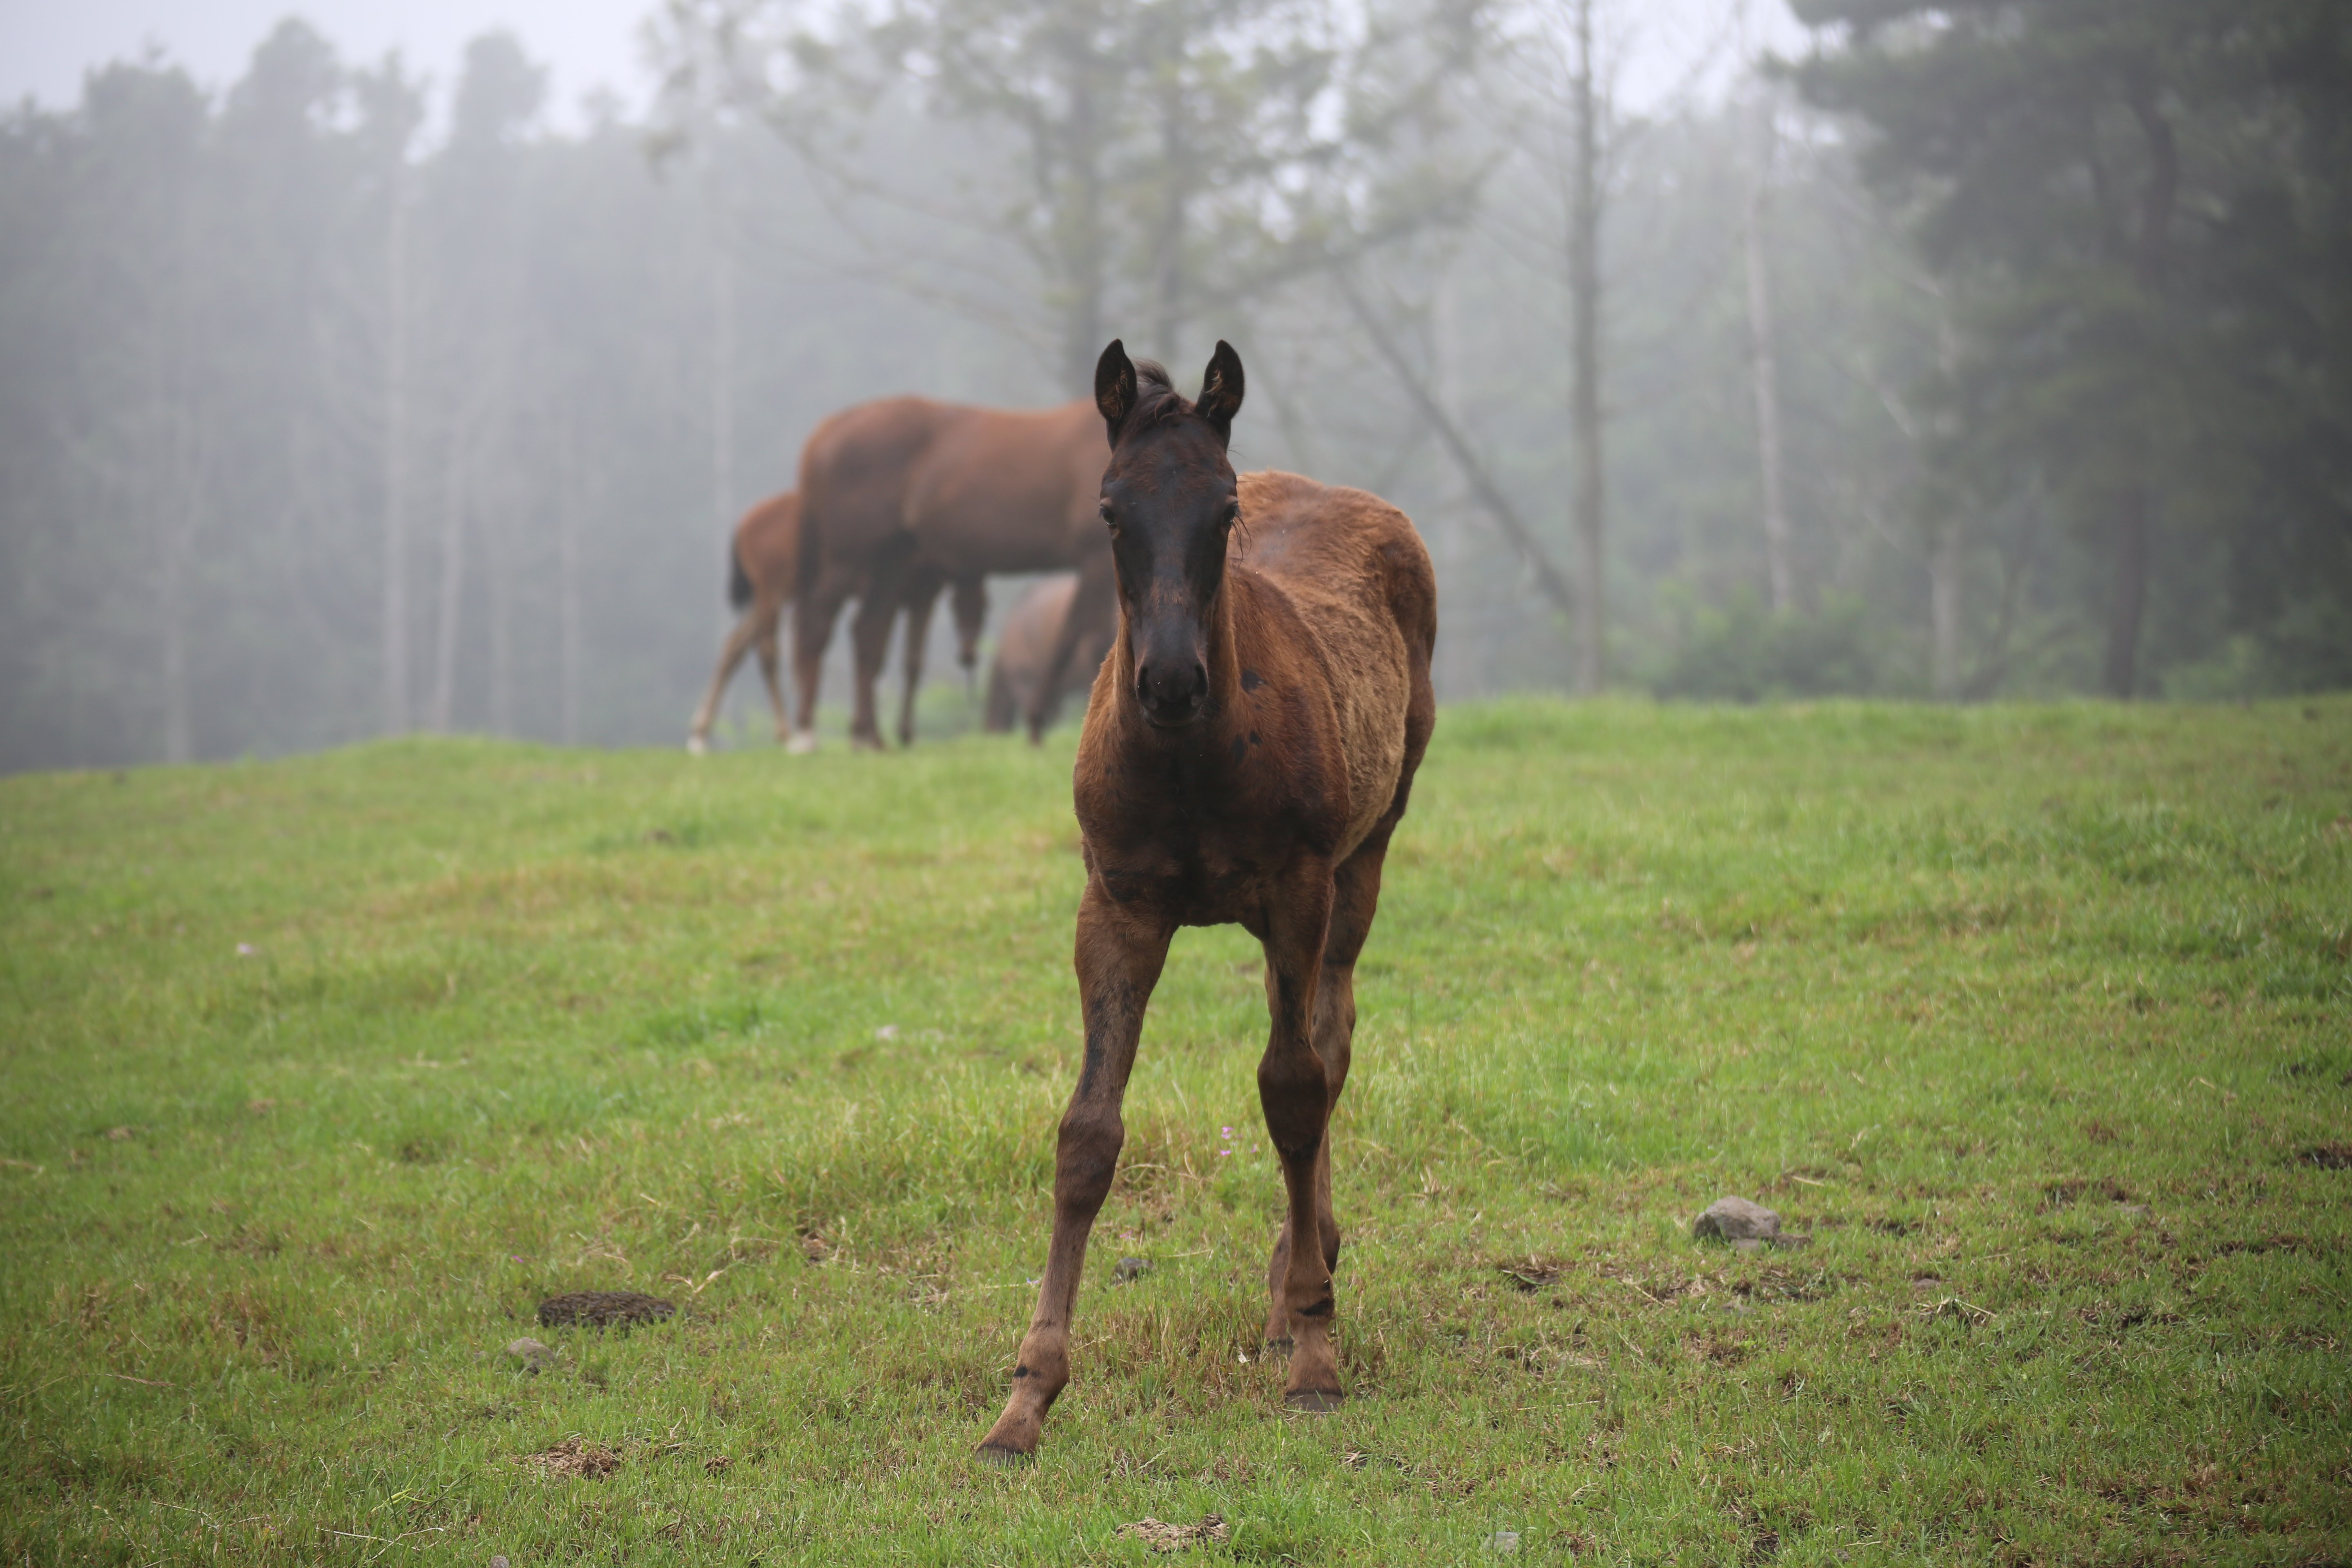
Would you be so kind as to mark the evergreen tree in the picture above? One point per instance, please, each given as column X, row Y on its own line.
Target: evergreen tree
column 2139, row 203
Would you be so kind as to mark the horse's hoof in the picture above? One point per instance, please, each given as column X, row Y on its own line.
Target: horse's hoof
column 803, row 742
column 697, row 746
column 1313, row 1400
column 997, row 1457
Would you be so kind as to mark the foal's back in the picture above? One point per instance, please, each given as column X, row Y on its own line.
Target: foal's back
column 1358, row 575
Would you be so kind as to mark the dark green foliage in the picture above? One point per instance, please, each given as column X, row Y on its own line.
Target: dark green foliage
column 1744, row 653
column 2144, row 210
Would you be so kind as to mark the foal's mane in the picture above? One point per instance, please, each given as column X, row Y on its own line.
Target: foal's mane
column 1157, row 401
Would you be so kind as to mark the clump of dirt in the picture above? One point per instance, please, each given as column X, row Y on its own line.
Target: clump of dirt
column 574, row 1457
column 602, row 1309
column 2329, row 1156
column 1530, row 1273
column 1162, row 1536
column 2061, row 1194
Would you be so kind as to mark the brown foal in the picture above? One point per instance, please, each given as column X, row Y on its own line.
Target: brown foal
column 1249, row 747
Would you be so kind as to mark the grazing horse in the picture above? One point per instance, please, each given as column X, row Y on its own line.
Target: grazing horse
column 1249, row 747
column 764, row 566
column 891, row 486
column 1025, row 644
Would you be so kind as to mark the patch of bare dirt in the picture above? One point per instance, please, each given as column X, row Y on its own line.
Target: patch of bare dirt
column 2329, row 1156
column 1162, row 1536
column 604, row 1309
column 574, row 1457
column 2062, row 1194
column 1530, row 1273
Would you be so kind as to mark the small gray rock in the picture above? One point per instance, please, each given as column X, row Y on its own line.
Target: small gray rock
column 531, row 1353
column 1503, row 1541
column 1127, row 1268
column 1737, row 1219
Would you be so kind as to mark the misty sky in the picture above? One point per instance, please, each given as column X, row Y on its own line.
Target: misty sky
column 47, row 45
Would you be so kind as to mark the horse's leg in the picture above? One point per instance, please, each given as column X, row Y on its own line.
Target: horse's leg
column 1355, row 898
column 1119, row 952
column 922, row 598
column 1097, row 592
column 969, row 605
column 811, row 629
column 1294, row 1087
column 869, row 642
column 770, row 621
column 730, row 654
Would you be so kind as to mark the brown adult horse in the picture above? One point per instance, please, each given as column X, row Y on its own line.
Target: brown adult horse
column 892, row 485
column 763, row 568
column 1026, row 644
column 1249, row 747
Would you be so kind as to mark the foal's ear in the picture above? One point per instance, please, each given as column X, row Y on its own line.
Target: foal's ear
column 1220, row 390
column 1115, row 387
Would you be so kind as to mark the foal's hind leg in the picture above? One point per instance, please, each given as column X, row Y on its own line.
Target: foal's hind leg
column 741, row 637
column 1120, row 950
column 1355, row 898
column 771, row 663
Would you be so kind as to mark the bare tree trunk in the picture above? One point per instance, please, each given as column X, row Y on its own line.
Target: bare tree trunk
column 722, row 380
column 574, row 497
column 1168, row 280
column 1944, row 552
column 178, row 515
column 1584, row 291
column 393, row 632
column 1944, row 609
column 497, row 550
column 2129, row 597
column 454, row 501
column 1763, row 362
column 1081, row 244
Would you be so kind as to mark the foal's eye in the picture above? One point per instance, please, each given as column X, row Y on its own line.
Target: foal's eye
column 1232, row 512
column 1107, row 518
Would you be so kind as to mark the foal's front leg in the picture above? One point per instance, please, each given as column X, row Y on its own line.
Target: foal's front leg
column 1295, row 1088
column 1120, row 950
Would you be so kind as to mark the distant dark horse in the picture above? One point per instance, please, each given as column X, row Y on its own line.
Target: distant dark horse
column 1025, row 644
column 904, row 485
column 1248, row 749
column 764, row 568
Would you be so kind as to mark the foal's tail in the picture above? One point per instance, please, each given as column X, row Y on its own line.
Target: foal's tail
column 738, row 581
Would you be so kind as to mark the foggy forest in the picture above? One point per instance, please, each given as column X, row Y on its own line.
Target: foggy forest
column 1968, row 352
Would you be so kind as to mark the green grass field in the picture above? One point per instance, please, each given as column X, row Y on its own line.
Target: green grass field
column 321, row 1073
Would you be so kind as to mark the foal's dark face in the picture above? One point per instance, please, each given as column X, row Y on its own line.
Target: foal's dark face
column 1168, row 498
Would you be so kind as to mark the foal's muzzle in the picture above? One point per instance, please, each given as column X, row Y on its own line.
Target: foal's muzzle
column 1172, row 690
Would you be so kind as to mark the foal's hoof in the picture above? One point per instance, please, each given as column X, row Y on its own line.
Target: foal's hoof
column 696, row 746
column 1313, row 1400
column 801, row 744
column 996, row 1456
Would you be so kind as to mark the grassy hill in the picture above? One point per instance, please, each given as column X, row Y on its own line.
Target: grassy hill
column 319, row 1074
